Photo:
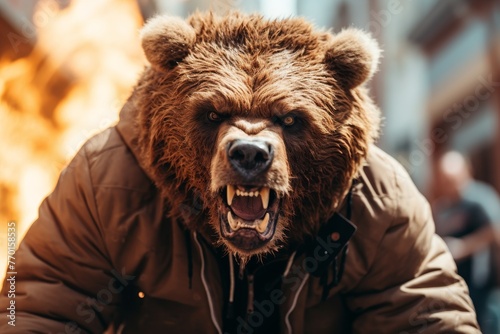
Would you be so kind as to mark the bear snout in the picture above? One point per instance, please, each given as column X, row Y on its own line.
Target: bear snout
column 250, row 160
column 250, row 157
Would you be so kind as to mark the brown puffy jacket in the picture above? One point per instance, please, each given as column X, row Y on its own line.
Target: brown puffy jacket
column 102, row 255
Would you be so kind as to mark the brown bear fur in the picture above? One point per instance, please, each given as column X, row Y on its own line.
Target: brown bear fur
column 254, row 68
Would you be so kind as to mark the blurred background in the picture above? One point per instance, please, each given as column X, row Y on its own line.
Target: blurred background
column 67, row 66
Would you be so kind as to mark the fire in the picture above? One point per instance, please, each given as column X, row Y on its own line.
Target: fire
column 83, row 65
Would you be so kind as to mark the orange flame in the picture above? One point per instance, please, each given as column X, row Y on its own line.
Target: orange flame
column 82, row 67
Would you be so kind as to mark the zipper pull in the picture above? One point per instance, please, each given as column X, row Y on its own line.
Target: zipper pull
column 250, row 294
column 241, row 272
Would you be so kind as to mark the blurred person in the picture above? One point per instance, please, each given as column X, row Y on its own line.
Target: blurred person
column 465, row 215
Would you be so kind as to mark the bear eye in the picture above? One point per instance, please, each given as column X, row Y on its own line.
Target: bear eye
column 214, row 117
column 288, row 120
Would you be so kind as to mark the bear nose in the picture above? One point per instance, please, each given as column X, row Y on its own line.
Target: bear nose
column 250, row 156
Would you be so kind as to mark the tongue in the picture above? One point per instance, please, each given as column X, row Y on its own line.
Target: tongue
column 248, row 208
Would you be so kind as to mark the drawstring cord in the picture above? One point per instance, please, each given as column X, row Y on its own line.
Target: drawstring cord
column 231, row 277
column 230, row 307
column 289, row 264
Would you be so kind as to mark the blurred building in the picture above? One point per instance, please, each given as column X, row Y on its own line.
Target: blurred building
column 461, row 42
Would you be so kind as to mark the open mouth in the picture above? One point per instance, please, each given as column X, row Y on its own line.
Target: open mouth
column 248, row 215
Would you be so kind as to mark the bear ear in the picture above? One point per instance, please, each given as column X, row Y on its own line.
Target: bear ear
column 353, row 56
column 166, row 40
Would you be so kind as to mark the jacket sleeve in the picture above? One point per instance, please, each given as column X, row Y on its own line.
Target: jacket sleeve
column 412, row 285
column 64, row 282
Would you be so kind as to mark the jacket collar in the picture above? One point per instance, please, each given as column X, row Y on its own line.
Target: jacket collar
column 128, row 128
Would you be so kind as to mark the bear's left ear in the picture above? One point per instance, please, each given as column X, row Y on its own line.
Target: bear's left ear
column 166, row 40
column 353, row 56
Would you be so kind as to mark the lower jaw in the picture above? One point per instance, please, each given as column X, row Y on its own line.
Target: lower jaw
column 248, row 240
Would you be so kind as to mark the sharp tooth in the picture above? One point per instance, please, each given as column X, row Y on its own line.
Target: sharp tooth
column 250, row 194
column 230, row 194
column 264, row 195
column 237, row 192
column 232, row 223
column 262, row 226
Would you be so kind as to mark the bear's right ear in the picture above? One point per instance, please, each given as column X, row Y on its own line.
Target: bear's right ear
column 166, row 40
column 353, row 56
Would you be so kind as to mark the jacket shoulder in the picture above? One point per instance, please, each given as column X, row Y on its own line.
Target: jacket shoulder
column 126, row 199
column 388, row 211
column 397, row 267
column 113, row 165
column 386, row 177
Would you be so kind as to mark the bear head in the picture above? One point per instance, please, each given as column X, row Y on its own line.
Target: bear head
column 253, row 129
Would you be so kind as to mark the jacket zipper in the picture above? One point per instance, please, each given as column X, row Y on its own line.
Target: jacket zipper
column 210, row 301
column 250, row 294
